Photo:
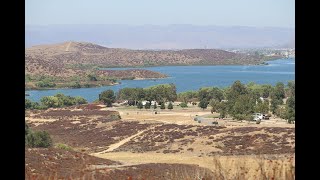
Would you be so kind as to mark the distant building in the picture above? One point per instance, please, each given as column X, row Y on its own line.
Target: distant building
column 152, row 102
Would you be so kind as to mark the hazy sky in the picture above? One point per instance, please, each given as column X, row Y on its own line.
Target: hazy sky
column 277, row 13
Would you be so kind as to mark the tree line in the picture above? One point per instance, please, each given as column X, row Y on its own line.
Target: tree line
column 56, row 101
column 238, row 101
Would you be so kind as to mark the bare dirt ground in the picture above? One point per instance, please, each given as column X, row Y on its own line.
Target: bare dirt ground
column 186, row 117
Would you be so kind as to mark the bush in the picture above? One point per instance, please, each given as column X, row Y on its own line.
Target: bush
column 170, row 106
column 183, row 105
column 45, row 84
column 147, row 106
column 107, row 97
column 39, row 139
column 115, row 117
column 162, row 106
column 75, row 85
column 63, row 146
column 249, row 118
column 80, row 100
column 28, row 104
column 203, row 104
column 239, row 116
column 139, row 105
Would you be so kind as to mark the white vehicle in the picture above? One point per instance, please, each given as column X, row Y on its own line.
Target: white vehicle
column 257, row 116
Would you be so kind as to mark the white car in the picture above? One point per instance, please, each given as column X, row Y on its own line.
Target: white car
column 257, row 116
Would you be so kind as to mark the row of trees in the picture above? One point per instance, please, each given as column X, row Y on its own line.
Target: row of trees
column 159, row 93
column 58, row 100
column 239, row 100
column 242, row 100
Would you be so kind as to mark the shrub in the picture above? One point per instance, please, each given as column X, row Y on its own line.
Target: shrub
column 45, row 84
column 63, row 146
column 80, row 100
column 170, row 106
column 139, row 105
column 39, row 139
column 183, row 105
column 203, row 104
column 115, row 117
column 75, row 85
column 162, row 106
column 147, row 106
column 239, row 116
column 107, row 97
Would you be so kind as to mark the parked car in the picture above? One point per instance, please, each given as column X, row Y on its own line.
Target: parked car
column 265, row 117
column 257, row 116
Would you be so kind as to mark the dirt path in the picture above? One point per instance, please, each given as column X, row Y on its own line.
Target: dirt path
column 67, row 48
column 120, row 143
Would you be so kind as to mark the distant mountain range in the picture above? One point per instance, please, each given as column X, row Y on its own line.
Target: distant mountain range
column 162, row 37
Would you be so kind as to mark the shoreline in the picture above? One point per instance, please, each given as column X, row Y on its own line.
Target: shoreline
column 137, row 79
column 136, row 67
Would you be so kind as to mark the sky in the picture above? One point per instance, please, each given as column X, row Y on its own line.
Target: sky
column 257, row 13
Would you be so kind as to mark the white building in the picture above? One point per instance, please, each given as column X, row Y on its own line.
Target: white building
column 152, row 102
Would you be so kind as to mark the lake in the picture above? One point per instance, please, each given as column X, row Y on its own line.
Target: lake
column 192, row 78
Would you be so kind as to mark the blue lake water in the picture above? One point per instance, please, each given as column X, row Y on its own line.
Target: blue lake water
column 192, row 78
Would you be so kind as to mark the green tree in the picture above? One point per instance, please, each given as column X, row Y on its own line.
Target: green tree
column 76, row 84
column 203, row 104
column 275, row 103
column 161, row 92
column 213, row 103
column 139, row 105
column 147, row 105
column 292, row 88
column 27, row 104
column 32, row 105
column 222, row 109
column 80, row 100
column 266, row 90
column 262, row 107
column 183, row 105
column 187, row 96
column 107, row 97
column 278, row 92
column 155, row 105
column 162, row 106
column 236, row 90
column 290, row 109
column 39, row 139
column 244, row 105
column 50, row 101
column 92, row 77
column 45, row 82
column 170, row 106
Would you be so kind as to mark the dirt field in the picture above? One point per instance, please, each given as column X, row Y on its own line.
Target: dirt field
column 230, row 149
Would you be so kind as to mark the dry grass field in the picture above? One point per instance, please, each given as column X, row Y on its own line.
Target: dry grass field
column 142, row 140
